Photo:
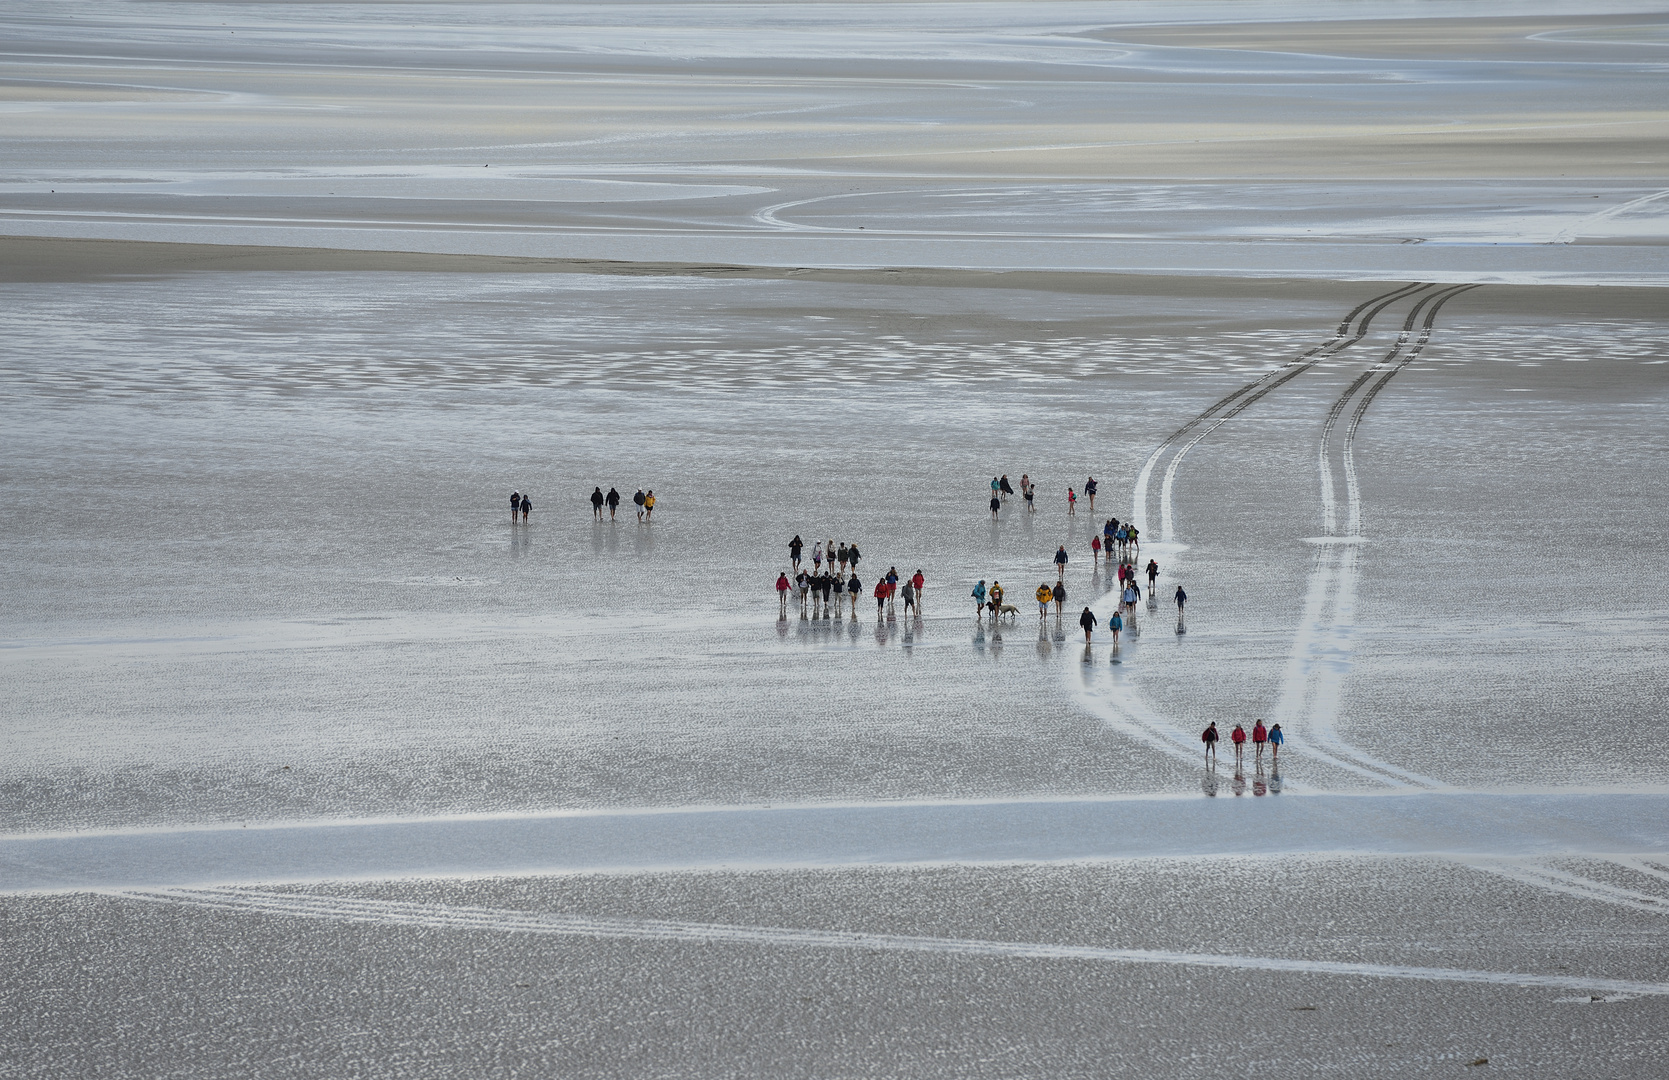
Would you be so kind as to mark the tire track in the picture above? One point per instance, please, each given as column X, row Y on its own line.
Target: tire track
column 441, row 917
column 1312, row 685
column 1352, row 329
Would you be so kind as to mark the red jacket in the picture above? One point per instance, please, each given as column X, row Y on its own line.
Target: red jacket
column 1260, row 733
column 782, row 583
column 1239, row 735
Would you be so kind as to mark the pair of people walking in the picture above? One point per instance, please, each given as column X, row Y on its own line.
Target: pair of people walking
column 519, row 503
column 1115, row 624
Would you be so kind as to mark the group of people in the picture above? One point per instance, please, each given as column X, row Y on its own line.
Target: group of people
column 1116, row 540
column 833, row 581
column 1260, row 737
column 643, row 500
column 1001, row 489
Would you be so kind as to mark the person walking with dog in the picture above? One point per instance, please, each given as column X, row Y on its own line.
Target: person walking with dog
column 979, row 599
column 1045, row 594
column 996, row 594
column 1087, row 621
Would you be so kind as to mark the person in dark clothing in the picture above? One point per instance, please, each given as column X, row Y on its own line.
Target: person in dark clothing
column 1209, row 737
column 1152, row 575
column 638, row 498
column 853, row 553
column 996, row 504
column 597, row 503
column 613, row 500
column 1090, row 487
column 1005, row 488
column 1181, row 599
column 1060, row 597
column 795, row 546
column 515, row 503
column 1087, row 620
column 527, row 504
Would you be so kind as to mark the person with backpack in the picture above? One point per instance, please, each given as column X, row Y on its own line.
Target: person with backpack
column 1260, row 735
column 996, row 594
column 597, row 503
column 782, row 596
column 1275, row 741
column 817, row 557
column 1152, row 577
column 1238, row 737
column 638, row 499
column 1209, row 737
column 613, row 500
column 1087, row 621
column 802, row 582
column 979, row 598
column 1071, row 503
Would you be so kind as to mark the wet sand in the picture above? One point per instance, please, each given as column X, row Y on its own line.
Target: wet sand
column 318, row 763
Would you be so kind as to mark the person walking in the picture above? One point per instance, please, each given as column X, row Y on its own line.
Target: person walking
column 996, row 504
column 795, row 546
column 527, row 504
column 1152, row 577
column 1087, row 621
column 597, row 503
column 1260, row 735
column 1044, row 595
column 979, row 599
column 1275, row 741
column 782, row 596
column 1059, row 593
column 918, row 580
column 1135, row 537
column 1090, row 487
column 996, row 594
column 827, row 581
column 996, row 489
column 853, row 588
column 1128, row 597
column 1004, row 489
column 1071, row 503
column 1238, row 737
column 649, row 505
column 880, row 597
column 1115, row 623
column 802, row 582
column 1028, row 491
column 1095, row 549
column 515, row 503
column 844, row 553
column 613, row 500
column 1061, row 559
column 837, row 585
column 909, row 591
column 1209, row 737
column 817, row 557
column 853, row 553
column 638, row 499
column 1181, row 599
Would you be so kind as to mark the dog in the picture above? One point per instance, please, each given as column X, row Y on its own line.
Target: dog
column 1007, row 611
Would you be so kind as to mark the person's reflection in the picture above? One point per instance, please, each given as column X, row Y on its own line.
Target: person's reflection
column 596, row 537
column 996, row 641
column 1181, row 627
column 1259, row 787
column 1238, row 784
column 1043, row 646
column 1274, row 781
column 782, row 628
column 979, row 636
column 613, row 539
column 1208, row 782
column 1089, row 653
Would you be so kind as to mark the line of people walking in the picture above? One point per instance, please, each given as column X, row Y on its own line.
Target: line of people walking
column 1259, row 737
column 643, row 500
